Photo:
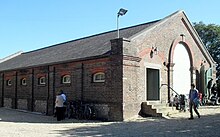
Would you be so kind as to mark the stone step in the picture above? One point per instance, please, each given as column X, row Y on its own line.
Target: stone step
column 147, row 110
column 154, row 102
column 157, row 109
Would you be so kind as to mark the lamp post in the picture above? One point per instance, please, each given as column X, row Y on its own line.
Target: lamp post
column 121, row 12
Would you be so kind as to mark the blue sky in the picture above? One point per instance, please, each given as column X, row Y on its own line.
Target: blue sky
column 32, row 24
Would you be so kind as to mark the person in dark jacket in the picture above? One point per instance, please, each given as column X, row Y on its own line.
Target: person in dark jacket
column 209, row 86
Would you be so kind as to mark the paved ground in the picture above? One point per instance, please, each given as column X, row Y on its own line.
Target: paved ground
column 14, row 123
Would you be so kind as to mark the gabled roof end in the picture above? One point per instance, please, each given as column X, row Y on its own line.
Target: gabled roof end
column 11, row 56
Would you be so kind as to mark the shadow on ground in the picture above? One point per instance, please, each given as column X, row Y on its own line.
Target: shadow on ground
column 154, row 127
column 20, row 116
column 206, row 126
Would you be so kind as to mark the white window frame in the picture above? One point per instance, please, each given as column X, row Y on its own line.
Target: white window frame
column 42, row 80
column 24, row 81
column 9, row 82
column 66, row 79
column 99, row 77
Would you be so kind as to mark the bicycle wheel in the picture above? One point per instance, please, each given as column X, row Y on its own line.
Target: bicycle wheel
column 79, row 114
column 69, row 113
column 88, row 113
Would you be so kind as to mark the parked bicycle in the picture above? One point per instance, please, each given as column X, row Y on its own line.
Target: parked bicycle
column 70, row 109
column 79, row 110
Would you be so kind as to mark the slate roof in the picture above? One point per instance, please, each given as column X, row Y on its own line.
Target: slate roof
column 92, row 46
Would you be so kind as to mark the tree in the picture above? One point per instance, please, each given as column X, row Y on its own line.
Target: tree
column 210, row 35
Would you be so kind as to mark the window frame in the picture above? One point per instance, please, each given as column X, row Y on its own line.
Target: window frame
column 8, row 82
column 40, row 82
column 98, row 77
column 23, row 81
column 64, row 79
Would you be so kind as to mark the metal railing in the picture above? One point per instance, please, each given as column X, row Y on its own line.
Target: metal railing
column 170, row 88
column 179, row 96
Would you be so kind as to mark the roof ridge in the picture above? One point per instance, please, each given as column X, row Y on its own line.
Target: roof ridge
column 90, row 46
column 90, row 36
column 11, row 56
column 159, row 22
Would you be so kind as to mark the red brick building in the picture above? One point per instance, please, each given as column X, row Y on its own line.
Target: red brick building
column 115, row 74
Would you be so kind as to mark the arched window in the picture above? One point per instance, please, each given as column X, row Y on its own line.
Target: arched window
column 99, row 77
column 42, row 81
column 66, row 79
column 9, row 83
column 23, row 81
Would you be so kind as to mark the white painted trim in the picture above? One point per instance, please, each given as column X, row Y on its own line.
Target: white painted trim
column 152, row 65
column 65, row 80
column 11, row 56
column 23, row 81
column 42, row 80
column 98, row 80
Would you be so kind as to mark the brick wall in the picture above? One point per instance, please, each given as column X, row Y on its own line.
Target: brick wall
column 124, row 89
column 41, row 98
column 165, row 36
column 9, row 90
column 24, row 92
column 1, row 90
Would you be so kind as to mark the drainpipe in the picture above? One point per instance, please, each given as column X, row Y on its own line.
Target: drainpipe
column 16, row 90
column 32, row 91
column 53, row 91
column 82, row 81
column 3, row 80
column 48, row 88
column 32, row 99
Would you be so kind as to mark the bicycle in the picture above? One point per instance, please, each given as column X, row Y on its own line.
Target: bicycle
column 79, row 110
column 73, row 109
column 85, row 111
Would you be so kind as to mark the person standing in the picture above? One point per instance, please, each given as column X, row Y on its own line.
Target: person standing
column 213, row 89
column 64, row 104
column 176, row 102
column 193, row 97
column 63, row 95
column 59, row 107
column 209, row 86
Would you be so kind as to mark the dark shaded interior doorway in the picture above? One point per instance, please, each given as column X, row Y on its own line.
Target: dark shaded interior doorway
column 153, row 83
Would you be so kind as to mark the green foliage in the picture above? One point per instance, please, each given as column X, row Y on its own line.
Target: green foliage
column 210, row 35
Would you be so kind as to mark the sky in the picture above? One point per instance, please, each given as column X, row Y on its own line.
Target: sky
column 27, row 25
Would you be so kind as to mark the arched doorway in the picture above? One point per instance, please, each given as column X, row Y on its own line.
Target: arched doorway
column 181, row 70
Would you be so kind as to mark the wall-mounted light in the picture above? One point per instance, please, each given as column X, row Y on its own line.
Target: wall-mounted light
column 202, row 62
column 165, row 63
column 154, row 51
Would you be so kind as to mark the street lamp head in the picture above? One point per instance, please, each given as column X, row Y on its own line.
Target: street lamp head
column 122, row 12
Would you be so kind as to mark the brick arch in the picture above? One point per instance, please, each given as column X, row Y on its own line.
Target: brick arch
column 170, row 63
column 186, row 45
